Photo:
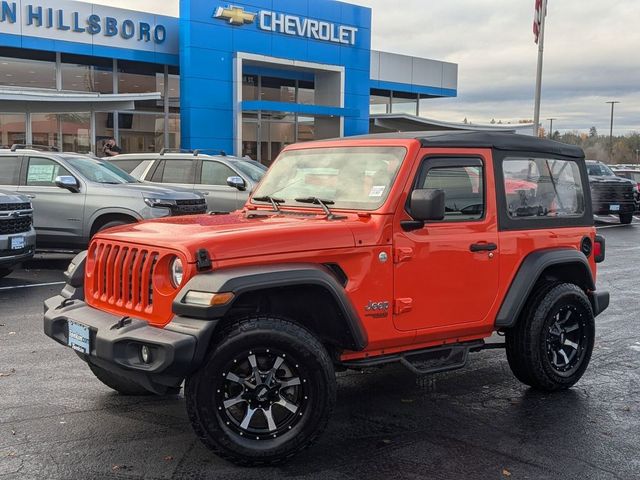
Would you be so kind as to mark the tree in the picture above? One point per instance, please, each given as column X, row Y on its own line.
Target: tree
column 465, row 121
column 593, row 132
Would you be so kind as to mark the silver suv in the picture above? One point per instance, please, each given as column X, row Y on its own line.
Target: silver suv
column 226, row 181
column 74, row 196
column 17, row 236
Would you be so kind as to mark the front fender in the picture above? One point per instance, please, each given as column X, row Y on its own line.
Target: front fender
column 243, row 280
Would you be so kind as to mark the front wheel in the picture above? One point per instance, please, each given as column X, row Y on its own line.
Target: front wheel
column 265, row 393
column 550, row 347
column 626, row 218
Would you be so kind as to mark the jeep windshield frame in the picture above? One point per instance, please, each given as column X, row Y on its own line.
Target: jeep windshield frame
column 351, row 177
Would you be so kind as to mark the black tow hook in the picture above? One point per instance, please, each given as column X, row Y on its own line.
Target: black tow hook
column 121, row 323
column 65, row 303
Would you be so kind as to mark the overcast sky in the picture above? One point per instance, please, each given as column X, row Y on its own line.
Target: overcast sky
column 591, row 56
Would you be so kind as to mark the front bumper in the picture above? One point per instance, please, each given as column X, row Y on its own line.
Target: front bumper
column 605, row 208
column 10, row 257
column 177, row 350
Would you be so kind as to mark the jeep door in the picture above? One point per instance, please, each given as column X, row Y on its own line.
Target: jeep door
column 58, row 214
column 211, row 179
column 446, row 273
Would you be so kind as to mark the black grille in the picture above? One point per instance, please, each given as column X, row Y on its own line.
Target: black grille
column 10, row 207
column 189, row 207
column 612, row 192
column 15, row 225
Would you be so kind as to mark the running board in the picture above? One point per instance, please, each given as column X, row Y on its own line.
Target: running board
column 426, row 361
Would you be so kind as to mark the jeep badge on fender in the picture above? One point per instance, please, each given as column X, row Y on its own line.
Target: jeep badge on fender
column 293, row 283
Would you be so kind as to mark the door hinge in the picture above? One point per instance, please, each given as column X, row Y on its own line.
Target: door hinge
column 402, row 254
column 402, row 305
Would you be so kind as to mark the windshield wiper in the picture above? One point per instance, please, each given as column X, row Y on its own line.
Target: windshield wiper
column 275, row 202
column 322, row 203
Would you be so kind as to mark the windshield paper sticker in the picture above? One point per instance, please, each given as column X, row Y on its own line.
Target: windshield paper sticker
column 377, row 190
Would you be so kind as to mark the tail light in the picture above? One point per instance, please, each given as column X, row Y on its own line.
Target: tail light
column 599, row 249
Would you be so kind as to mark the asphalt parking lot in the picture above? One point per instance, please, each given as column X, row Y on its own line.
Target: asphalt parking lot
column 58, row 422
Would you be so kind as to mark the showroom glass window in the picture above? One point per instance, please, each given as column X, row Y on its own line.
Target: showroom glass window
column 86, row 74
column 27, row 68
column 12, row 128
column 380, row 101
column 278, row 90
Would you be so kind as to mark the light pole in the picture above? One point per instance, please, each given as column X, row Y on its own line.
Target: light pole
column 613, row 103
column 637, row 152
column 551, row 126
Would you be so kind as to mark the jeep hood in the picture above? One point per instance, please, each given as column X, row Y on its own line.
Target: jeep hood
column 235, row 235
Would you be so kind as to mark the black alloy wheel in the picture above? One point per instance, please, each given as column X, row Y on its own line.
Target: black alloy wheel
column 567, row 339
column 262, row 394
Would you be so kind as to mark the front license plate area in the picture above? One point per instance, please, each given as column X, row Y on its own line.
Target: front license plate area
column 18, row 243
column 79, row 337
column 614, row 208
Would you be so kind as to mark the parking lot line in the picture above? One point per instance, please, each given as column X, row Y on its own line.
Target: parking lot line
column 14, row 287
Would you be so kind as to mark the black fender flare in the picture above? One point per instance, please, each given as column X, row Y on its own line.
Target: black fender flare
column 240, row 280
column 531, row 268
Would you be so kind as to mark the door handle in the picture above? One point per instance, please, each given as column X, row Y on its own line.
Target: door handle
column 483, row 247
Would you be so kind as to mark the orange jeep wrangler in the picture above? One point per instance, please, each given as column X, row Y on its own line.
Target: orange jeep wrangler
column 358, row 252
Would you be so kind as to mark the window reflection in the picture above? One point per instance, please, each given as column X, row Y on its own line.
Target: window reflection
column 12, row 129
column 87, row 74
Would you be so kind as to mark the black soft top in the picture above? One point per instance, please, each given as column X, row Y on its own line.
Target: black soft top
column 496, row 140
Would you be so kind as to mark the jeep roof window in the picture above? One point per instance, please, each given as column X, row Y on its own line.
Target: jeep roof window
column 539, row 187
column 99, row 171
column 357, row 178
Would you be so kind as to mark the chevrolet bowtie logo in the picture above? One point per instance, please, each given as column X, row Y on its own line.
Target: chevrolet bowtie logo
column 235, row 15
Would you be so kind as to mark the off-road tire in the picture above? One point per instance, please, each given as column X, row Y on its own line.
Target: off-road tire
column 527, row 343
column 626, row 218
column 120, row 384
column 267, row 339
column 5, row 272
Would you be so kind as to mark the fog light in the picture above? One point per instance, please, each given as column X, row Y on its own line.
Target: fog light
column 145, row 353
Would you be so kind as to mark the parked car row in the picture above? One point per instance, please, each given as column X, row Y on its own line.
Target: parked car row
column 65, row 198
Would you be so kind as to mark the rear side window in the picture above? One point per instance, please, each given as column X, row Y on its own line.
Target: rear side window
column 174, row 171
column 215, row 173
column 463, row 191
column 126, row 165
column 9, row 170
column 542, row 188
column 42, row 172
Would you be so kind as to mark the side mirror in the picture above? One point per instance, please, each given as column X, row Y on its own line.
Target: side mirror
column 68, row 182
column 237, row 182
column 425, row 205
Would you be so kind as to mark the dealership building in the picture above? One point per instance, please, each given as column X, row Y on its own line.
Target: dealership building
column 246, row 77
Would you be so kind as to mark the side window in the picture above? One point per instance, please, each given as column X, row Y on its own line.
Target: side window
column 542, row 187
column 174, row 171
column 9, row 170
column 126, row 165
column 463, row 188
column 42, row 172
column 215, row 173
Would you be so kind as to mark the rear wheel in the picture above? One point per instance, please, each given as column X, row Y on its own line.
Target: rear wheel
column 626, row 218
column 264, row 394
column 550, row 347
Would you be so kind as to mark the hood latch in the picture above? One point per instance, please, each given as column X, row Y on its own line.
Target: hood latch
column 203, row 261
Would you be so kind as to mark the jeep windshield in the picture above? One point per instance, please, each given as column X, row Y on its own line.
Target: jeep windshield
column 100, row 171
column 357, row 178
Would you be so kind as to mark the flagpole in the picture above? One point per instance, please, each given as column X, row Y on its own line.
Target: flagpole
column 536, row 115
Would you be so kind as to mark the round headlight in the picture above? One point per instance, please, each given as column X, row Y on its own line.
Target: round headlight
column 177, row 272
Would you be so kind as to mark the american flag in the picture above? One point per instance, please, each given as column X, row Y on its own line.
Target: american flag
column 537, row 20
